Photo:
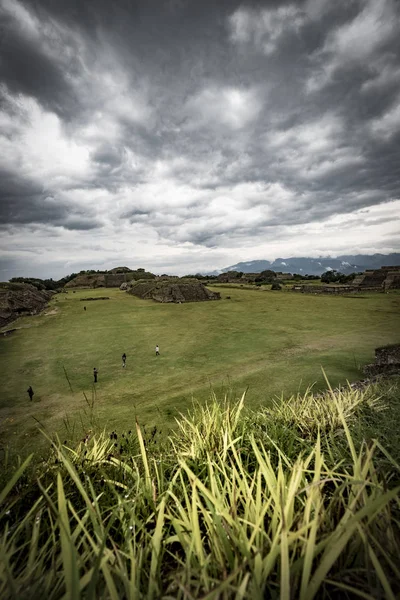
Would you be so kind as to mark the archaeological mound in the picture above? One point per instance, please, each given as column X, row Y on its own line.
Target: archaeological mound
column 19, row 299
column 171, row 290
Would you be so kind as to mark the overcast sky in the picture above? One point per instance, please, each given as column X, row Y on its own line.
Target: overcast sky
column 187, row 135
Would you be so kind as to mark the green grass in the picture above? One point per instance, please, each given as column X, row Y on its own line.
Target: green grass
column 286, row 502
column 268, row 342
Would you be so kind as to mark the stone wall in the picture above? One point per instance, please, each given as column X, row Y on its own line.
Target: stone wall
column 325, row 289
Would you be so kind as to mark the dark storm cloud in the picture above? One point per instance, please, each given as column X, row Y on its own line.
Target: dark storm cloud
column 24, row 202
column 205, row 121
column 26, row 67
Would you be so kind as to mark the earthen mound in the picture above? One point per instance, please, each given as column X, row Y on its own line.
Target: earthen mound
column 85, row 280
column 169, row 290
column 110, row 279
column 120, row 270
column 18, row 299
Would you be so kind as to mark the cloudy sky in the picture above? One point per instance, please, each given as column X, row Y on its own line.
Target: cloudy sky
column 187, row 135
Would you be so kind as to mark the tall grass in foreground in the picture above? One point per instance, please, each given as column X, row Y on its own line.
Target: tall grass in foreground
column 284, row 503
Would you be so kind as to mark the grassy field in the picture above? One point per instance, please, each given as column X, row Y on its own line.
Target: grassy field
column 268, row 342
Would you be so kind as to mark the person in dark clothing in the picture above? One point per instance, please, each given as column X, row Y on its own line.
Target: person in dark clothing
column 124, row 360
column 84, row 308
column 95, row 371
column 30, row 392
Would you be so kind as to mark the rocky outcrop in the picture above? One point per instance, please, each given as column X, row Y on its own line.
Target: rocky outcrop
column 169, row 290
column 18, row 299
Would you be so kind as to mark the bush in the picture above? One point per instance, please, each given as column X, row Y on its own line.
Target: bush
column 276, row 286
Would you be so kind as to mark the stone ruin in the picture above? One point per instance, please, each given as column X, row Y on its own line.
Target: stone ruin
column 325, row 289
column 237, row 277
column 19, row 299
column 172, row 290
column 374, row 280
column 387, row 360
column 385, row 278
column 108, row 280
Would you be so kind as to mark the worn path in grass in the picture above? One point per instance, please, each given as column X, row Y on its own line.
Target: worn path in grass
column 270, row 342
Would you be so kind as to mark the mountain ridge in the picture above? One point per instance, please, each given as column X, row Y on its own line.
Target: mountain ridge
column 346, row 264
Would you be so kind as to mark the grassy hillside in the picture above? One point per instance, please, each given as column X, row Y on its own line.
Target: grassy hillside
column 270, row 342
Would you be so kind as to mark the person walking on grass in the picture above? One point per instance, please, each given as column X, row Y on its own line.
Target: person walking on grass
column 157, row 350
column 124, row 360
column 95, row 371
column 30, row 392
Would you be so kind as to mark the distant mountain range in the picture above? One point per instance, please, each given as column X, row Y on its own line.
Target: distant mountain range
column 316, row 266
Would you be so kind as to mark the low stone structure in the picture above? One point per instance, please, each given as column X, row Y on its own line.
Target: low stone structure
column 177, row 291
column 98, row 298
column 325, row 289
column 385, row 278
column 19, row 299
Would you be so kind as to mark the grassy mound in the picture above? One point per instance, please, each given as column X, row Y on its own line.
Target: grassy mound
column 292, row 502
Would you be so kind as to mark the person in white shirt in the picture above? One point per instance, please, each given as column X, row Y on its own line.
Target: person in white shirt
column 157, row 350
